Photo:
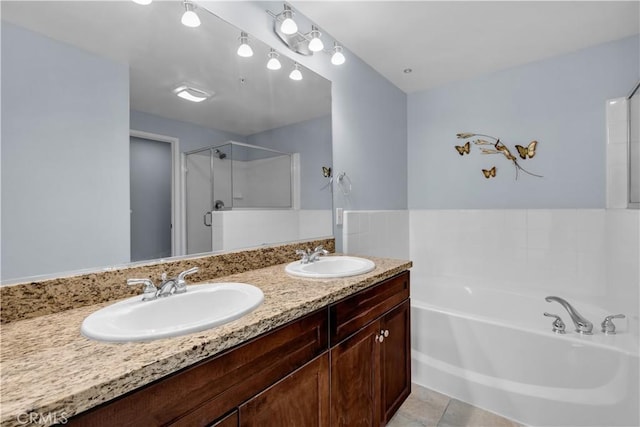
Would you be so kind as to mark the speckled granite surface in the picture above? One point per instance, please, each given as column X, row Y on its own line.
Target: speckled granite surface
column 32, row 299
column 48, row 368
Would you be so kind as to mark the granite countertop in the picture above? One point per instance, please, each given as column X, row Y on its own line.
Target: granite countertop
column 49, row 369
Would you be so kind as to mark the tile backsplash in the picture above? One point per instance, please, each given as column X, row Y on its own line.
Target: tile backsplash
column 376, row 233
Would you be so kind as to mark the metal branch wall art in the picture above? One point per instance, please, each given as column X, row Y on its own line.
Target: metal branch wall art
column 525, row 153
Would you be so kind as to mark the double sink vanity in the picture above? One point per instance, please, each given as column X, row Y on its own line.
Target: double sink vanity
column 306, row 349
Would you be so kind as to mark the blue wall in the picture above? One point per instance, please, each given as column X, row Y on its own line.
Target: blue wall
column 191, row 136
column 559, row 102
column 60, row 144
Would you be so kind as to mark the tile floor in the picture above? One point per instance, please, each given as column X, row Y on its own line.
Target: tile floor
column 428, row 408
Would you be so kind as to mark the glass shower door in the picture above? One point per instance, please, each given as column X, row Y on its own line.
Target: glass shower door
column 199, row 201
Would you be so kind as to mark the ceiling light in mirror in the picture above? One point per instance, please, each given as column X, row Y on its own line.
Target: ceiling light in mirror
column 295, row 73
column 192, row 94
column 244, row 50
column 274, row 62
column 143, row 2
column 190, row 17
column 288, row 25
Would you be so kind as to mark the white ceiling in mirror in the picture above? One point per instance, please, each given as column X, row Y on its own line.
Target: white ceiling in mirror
column 143, row 37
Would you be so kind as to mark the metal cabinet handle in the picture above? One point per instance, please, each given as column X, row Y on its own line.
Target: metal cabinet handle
column 379, row 338
column 205, row 219
column 385, row 333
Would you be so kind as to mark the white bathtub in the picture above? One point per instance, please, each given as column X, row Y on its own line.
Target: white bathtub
column 496, row 351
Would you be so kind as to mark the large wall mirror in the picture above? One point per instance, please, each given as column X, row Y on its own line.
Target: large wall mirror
column 97, row 147
column 634, row 147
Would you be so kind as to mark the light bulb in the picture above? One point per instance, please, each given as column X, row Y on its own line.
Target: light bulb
column 274, row 62
column 295, row 74
column 244, row 49
column 189, row 17
column 143, row 2
column 288, row 25
column 315, row 45
column 338, row 57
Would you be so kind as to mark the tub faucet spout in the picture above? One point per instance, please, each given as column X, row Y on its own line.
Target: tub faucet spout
column 583, row 326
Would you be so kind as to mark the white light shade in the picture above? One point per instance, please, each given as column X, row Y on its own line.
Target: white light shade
column 289, row 26
column 274, row 64
column 245, row 50
column 338, row 57
column 315, row 44
column 190, row 19
column 295, row 74
column 191, row 94
column 143, row 2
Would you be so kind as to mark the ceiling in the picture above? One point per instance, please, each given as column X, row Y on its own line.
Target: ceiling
column 445, row 41
column 162, row 54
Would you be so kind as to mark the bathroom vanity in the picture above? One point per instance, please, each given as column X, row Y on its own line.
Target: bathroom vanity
column 316, row 352
column 343, row 365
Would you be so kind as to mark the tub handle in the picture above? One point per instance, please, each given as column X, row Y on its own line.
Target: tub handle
column 558, row 325
column 607, row 324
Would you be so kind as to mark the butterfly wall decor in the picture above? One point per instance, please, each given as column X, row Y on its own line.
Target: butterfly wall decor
column 491, row 173
column 464, row 149
column 525, row 153
column 326, row 172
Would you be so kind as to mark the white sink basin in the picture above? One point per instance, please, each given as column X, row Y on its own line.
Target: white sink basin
column 331, row 267
column 201, row 307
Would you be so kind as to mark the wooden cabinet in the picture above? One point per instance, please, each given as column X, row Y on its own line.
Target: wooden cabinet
column 300, row 399
column 345, row 365
column 371, row 369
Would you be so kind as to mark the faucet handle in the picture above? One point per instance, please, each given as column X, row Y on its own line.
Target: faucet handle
column 181, row 284
column 304, row 255
column 558, row 324
column 149, row 291
column 185, row 273
column 607, row 324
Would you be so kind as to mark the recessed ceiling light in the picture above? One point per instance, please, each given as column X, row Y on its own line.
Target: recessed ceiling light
column 407, row 70
column 192, row 94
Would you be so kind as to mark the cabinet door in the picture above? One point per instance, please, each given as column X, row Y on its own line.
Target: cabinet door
column 300, row 399
column 355, row 379
column 395, row 359
column 230, row 420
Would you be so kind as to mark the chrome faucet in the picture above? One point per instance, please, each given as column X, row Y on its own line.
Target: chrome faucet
column 175, row 285
column 307, row 256
column 583, row 326
column 317, row 252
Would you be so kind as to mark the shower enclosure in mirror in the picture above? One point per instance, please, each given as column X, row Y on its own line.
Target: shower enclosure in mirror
column 79, row 78
column 634, row 148
column 223, row 180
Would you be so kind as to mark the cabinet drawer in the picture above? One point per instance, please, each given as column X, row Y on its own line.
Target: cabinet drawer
column 206, row 391
column 352, row 313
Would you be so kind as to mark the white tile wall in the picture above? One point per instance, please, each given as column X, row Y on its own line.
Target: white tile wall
column 591, row 254
column 376, row 233
column 617, row 152
column 236, row 229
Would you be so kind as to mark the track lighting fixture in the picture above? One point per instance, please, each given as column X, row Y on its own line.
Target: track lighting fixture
column 274, row 62
column 315, row 44
column 303, row 43
column 288, row 25
column 295, row 74
column 190, row 17
column 337, row 58
column 244, row 49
